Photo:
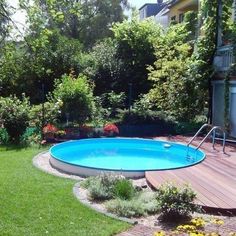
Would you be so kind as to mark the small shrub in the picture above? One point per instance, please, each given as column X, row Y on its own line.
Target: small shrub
column 149, row 202
column 87, row 182
column 31, row 136
column 4, row 137
column 176, row 202
column 125, row 208
column 102, row 187
column 49, row 128
column 111, row 130
column 76, row 95
column 99, row 192
column 149, row 117
column 14, row 115
column 52, row 111
column 141, row 205
column 113, row 102
column 124, row 189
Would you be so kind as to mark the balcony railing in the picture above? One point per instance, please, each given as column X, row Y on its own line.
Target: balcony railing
column 224, row 58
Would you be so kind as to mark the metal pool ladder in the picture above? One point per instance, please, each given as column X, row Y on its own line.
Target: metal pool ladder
column 213, row 131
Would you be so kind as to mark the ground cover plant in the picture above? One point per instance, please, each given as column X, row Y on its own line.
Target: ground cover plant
column 36, row 203
column 122, row 198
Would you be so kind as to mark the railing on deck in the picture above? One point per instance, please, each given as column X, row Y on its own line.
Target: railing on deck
column 224, row 58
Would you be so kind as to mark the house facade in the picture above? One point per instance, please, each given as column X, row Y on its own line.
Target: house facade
column 164, row 12
column 179, row 7
column 223, row 61
column 174, row 10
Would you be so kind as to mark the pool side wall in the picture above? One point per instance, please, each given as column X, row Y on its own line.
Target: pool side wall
column 86, row 171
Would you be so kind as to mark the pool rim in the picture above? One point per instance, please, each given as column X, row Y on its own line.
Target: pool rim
column 121, row 170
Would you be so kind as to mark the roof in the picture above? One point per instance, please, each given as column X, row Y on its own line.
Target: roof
column 148, row 4
column 161, row 5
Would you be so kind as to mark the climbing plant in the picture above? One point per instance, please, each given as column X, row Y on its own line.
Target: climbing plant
column 207, row 42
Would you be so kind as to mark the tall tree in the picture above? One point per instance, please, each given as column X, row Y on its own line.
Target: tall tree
column 4, row 20
column 87, row 21
column 136, row 42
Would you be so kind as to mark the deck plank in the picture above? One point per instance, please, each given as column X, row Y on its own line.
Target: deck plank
column 214, row 179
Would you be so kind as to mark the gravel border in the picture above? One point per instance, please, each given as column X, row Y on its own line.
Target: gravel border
column 41, row 161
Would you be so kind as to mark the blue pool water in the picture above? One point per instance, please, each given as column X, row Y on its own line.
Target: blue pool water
column 126, row 154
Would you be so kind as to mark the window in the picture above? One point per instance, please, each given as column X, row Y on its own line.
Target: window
column 181, row 17
column 173, row 18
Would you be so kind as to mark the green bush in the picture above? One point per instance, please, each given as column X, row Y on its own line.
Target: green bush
column 76, row 95
column 136, row 117
column 124, row 189
column 142, row 204
column 125, row 208
column 101, row 187
column 52, row 111
column 14, row 115
column 175, row 202
column 4, row 137
column 113, row 102
column 31, row 136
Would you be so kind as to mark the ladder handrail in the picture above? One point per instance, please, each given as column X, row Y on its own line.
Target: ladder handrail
column 203, row 126
column 213, row 129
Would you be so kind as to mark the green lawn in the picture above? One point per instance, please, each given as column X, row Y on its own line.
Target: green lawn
column 36, row 203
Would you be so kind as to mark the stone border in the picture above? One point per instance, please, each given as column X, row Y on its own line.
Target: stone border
column 41, row 161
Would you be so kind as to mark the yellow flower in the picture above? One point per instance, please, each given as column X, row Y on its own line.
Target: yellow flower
column 197, row 234
column 213, row 234
column 217, row 222
column 232, row 234
column 160, row 233
column 187, row 228
column 198, row 222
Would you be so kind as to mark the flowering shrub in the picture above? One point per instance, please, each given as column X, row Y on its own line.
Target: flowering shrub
column 176, row 202
column 52, row 111
column 111, row 130
column 49, row 128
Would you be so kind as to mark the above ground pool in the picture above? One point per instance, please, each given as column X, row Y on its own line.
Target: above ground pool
column 127, row 156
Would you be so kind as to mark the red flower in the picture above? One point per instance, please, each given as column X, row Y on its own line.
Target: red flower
column 49, row 128
column 110, row 129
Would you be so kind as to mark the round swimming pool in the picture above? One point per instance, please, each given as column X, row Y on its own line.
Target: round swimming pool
column 129, row 157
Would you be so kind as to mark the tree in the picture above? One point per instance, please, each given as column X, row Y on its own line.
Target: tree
column 87, row 21
column 105, row 67
column 4, row 20
column 135, row 40
column 46, row 56
column 176, row 90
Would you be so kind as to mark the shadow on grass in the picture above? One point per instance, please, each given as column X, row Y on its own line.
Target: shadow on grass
column 19, row 147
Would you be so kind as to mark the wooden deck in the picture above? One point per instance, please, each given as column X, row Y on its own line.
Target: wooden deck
column 214, row 179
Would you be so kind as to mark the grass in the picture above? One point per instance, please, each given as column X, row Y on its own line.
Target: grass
column 36, row 203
